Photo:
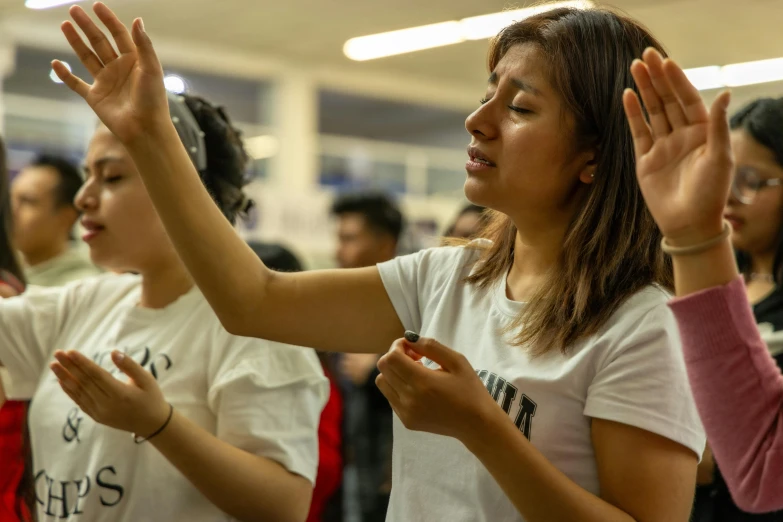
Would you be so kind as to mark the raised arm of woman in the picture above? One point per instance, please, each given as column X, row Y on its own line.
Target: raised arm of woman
column 345, row 310
column 684, row 166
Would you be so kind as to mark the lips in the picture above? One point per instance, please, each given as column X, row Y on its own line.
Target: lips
column 93, row 228
column 477, row 156
column 735, row 221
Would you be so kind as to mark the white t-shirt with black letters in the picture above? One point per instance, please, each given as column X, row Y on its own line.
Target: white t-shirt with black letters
column 257, row 395
column 632, row 372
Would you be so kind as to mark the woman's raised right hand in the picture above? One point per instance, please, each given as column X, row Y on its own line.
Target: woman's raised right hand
column 127, row 92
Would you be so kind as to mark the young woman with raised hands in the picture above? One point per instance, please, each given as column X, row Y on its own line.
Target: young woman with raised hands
column 561, row 315
column 144, row 408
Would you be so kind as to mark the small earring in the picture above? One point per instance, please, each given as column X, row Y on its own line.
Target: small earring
column 592, row 175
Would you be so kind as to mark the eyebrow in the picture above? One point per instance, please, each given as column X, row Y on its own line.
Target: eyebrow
column 519, row 84
column 102, row 162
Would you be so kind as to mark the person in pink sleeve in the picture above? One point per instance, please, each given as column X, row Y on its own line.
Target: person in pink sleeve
column 685, row 168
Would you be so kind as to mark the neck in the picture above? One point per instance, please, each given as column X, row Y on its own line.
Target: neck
column 161, row 286
column 536, row 251
column 762, row 263
column 43, row 255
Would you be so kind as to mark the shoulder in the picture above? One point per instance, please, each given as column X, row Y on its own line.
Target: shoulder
column 648, row 307
column 445, row 259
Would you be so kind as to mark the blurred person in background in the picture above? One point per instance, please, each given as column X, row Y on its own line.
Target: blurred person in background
column 548, row 381
column 14, row 497
column 223, row 426
column 755, row 211
column 326, row 505
column 369, row 227
column 468, row 223
column 42, row 196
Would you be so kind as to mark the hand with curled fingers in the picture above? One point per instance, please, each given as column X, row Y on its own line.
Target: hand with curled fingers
column 684, row 162
column 137, row 406
column 449, row 401
column 127, row 92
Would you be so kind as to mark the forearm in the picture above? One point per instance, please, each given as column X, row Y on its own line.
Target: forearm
column 539, row 491
column 733, row 376
column 205, row 240
column 245, row 486
column 712, row 268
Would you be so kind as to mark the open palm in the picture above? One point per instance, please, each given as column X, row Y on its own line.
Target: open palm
column 683, row 155
column 127, row 93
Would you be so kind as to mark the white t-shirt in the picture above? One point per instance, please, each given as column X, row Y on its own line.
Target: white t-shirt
column 254, row 394
column 631, row 372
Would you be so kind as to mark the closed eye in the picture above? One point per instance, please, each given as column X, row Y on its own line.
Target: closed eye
column 519, row 109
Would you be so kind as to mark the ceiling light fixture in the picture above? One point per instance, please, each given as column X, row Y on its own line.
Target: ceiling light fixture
column 445, row 33
column 736, row 74
column 46, row 4
column 174, row 84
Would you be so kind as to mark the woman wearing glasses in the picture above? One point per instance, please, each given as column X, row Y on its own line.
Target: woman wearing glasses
column 755, row 212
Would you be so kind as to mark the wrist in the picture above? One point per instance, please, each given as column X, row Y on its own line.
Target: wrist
column 490, row 419
column 694, row 235
column 157, row 417
column 155, row 134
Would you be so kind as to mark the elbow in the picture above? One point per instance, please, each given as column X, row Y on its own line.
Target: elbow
column 756, row 502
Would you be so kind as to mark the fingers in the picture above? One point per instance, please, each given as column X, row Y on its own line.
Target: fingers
column 100, row 44
column 148, row 60
column 119, row 32
column 86, row 374
column 719, row 135
column 85, row 54
column 659, row 122
column 691, row 102
column 393, row 366
column 640, row 131
column 447, row 358
column 73, row 388
column 141, row 377
column 386, row 389
column 73, row 82
column 660, row 82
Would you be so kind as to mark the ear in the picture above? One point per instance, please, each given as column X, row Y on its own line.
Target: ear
column 589, row 167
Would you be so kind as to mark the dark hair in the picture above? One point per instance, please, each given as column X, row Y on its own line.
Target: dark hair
column 8, row 259
column 762, row 119
column 380, row 213
column 227, row 160
column 276, row 257
column 470, row 208
column 611, row 247
column 70, row 178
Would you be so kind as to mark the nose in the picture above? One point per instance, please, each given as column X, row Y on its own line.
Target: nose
column 87, row 198
column 479, row 123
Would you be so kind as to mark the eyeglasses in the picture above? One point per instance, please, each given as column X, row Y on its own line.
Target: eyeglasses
column 748, row 182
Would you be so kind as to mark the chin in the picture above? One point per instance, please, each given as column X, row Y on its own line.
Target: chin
column 477, row 192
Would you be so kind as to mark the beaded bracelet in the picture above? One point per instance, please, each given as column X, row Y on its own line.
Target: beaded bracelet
column 699, row 247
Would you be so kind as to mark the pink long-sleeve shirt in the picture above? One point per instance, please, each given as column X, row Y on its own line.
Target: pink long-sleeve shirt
column 738, row 390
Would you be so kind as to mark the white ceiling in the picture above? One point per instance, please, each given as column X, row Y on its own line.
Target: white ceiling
column 696, row 32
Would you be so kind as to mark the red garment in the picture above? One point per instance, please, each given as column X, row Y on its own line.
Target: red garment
column 12, row 417
column 330, row 455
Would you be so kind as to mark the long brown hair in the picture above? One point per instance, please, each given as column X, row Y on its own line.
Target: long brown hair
column 611, row 247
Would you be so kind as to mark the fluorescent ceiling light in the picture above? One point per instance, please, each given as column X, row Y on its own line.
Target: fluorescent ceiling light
column 261, row 147
column 750, row 73
column 736, row 74
column 704, row 78
column 487, row 26
column 444, row 33
column 46, row 4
